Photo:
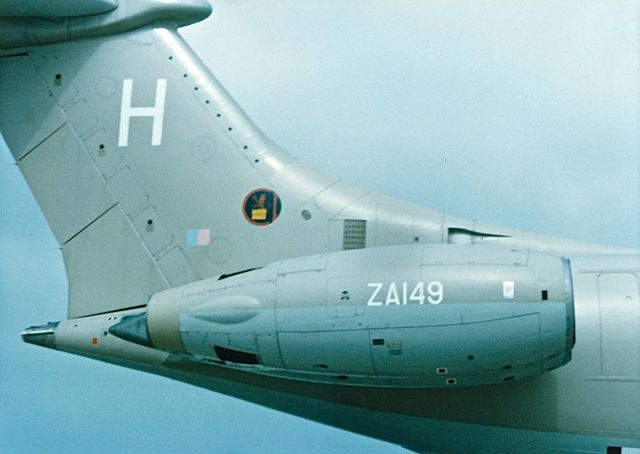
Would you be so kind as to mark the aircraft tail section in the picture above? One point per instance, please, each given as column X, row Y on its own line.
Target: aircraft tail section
column 151, row 176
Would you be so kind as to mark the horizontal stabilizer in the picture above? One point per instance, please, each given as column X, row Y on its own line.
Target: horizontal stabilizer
column 60, row 8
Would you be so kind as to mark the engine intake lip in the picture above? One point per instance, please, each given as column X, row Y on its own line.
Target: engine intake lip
column 569, row 302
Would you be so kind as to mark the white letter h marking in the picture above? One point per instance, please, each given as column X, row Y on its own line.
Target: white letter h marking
column 157, row 112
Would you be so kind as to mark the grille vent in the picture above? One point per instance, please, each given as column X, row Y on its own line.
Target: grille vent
column 354, row 234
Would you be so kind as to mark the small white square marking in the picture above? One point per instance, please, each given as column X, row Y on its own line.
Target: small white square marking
column 508, row 290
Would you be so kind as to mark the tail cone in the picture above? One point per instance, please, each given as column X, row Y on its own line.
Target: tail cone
column 43, row 335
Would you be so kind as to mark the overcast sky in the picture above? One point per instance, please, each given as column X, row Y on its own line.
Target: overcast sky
column 515, row 113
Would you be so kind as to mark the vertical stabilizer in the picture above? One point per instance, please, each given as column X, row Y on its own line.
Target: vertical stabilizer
column 151, row 176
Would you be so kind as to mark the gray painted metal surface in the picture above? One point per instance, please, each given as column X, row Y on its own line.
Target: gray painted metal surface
column 152, row 177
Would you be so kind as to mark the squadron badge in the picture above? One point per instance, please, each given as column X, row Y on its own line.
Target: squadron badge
column 261, row 207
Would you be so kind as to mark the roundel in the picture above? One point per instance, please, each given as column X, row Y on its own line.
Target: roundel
column 261, row 207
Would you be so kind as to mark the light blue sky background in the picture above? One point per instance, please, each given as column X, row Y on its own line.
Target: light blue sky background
column 515, row 113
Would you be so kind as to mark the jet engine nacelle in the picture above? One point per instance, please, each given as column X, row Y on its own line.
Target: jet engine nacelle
column 404, row 316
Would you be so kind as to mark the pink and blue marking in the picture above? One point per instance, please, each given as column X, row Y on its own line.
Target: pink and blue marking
column 198, row 237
